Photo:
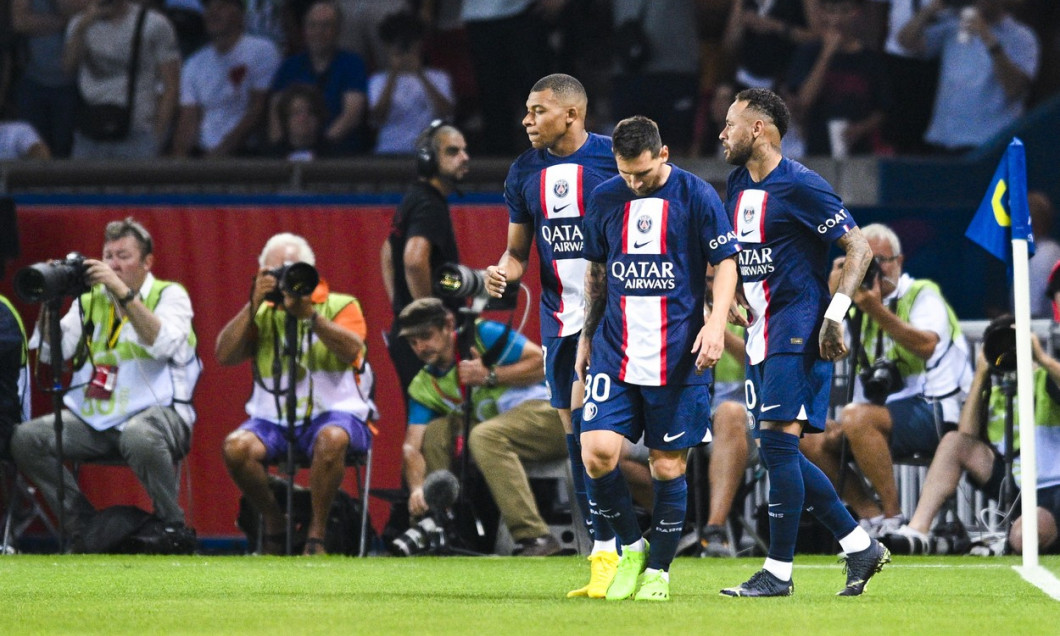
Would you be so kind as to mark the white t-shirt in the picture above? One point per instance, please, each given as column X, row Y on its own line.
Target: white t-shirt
column 411, row 110
column 16, row 138
column 222, row 84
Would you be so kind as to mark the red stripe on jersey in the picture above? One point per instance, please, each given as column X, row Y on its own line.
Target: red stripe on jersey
column 541, row 194
column 662, row 250
column 581, row 193
column 762, row 221
column 625, row 333
column 559, row 291
column 736, row 211
column 662, row 333
column 625, row 228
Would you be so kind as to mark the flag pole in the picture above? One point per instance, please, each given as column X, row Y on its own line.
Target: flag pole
column 1025, row 389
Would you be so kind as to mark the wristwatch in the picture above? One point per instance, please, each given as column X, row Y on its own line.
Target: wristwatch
column 491, row 379
column 127, row 298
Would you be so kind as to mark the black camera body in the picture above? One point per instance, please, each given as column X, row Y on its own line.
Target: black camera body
column 880, row 380
column 50, row 280
column 455, row 280
column 871, row 274
column 296, row 279
column 999, row 344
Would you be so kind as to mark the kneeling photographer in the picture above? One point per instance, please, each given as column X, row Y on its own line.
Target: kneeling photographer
column 132, row 346
column 512, row 420
column 978, row 448
column 912, row 371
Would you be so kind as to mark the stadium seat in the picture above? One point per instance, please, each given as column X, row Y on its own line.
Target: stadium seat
column 362, row 463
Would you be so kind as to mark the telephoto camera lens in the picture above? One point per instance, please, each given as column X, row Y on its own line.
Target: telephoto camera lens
column 416, row 539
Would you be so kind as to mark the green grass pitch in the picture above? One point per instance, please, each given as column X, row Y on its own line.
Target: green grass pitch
column 492, row 595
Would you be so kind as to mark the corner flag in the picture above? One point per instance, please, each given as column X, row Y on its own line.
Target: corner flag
column 1002, row 227
column 1003, row 215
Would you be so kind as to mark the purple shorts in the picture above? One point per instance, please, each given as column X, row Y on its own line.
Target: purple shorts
column 274, row 436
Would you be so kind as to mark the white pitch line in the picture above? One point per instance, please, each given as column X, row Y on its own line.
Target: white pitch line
column 891, row 566
column 1040, row 578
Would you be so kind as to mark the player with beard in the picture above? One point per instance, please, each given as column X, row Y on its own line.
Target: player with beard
column 650, row 341
column 786, row 217
column 547, row 191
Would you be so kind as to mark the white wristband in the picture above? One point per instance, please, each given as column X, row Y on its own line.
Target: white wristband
column 837, row 309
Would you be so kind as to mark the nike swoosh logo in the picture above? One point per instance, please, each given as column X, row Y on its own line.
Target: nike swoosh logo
column 769, row 408
column 556, row 209
column 640, row 245
column 746, row 233
column 668, row 438
column 771, row 505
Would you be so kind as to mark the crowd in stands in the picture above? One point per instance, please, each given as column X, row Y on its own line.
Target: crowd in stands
column 864, row 77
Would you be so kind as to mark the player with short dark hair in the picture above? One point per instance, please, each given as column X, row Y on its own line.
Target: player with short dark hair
column 650, row 341
column 547, row 192
column 786, row 217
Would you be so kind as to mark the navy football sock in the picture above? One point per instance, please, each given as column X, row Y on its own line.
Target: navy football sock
column 823, row 502
column 786, row 492
column 668, row 520
column 612, row 498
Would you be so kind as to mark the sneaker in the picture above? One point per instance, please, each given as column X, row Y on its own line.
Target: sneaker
column 540, row 546
column 630, row 566
column 652, row 587
column 860, row 566
column 715, row 542
column 871, row 525
column 602, row 566
column 761, row 583
column 906, row 540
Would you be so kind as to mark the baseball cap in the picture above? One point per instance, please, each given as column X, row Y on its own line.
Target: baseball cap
column 419, row 316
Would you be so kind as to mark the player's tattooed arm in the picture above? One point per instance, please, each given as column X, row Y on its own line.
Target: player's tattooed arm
column 595, row 297
column 856, row 261
column 595, row 301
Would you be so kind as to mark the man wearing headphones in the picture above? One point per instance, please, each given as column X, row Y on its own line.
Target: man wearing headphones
column 421, row 234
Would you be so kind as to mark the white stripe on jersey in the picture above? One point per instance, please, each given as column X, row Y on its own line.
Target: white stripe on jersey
column 643, row 317
column 750, row 216
column 749, row 221
column 558, row 184
column 645, row 227
column 757, row 295
column 562, row 197
column 643, row 340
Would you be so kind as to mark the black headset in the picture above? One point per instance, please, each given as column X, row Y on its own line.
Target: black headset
column 426, row 157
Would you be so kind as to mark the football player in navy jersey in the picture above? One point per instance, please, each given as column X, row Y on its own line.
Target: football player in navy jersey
column 786, row 217
column 650, row 341
column 547, row 191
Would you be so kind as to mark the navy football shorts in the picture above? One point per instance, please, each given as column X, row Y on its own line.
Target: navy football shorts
column 671, row 417
column 790, row 386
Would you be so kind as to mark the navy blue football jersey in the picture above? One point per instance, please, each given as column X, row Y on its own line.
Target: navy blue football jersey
column 552, row 193
column 785, row 225
column 656, row 249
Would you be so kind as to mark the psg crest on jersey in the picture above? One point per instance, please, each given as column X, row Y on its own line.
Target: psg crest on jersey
column 561, row 188
column 748, row 214
column 644, row 224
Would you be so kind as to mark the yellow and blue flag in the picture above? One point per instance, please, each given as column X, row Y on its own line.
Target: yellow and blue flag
column 1003, row 214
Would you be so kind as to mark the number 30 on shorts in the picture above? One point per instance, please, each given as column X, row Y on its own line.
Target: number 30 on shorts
column 597, row 387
